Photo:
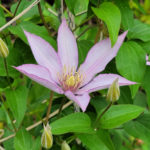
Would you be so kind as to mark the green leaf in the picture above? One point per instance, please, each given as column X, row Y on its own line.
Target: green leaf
column 92, row 142
column 98, row 103
column 133, row 65
column 51, row 19
column 37, row 144
column 8, row 144
column 81, row 6
column 106, row 138
column 83, row 48
column 125, row 95
column 139, row 31
column 23, row 140
column 126, row 13
column 2, row 114
column 17, row 100
column 147, row 5
column 140, row 128
column 140, row 99
column 145, row 46
column 112, row 20
column 33, row 28
column 2, row 17
column 119, row 114
column 19, row 54
column 89, row 35
column 23, row 5
column 139, row 7
column 77, row 122
column 117, row 139
column 70, row 4
column 77, row 7
column 145, row 84
column 4, row 82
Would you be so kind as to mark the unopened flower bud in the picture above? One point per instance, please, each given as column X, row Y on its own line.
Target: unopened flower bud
column 65, row 146
column 3, row 49
column 47, row 138
column 1, row 125
column 113, row 91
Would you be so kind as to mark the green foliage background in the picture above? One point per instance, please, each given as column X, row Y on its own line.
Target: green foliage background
column 126, row 126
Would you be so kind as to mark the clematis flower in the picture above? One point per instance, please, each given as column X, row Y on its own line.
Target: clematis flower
column 147, row 60
column 59, row 71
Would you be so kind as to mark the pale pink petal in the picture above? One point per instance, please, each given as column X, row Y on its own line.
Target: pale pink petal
column 146, row 57
column 81, row 100
column 67, row 46
column 99, row 56
column 103, row 81
column 39, row 74
column 44, row 54
column 148, row 63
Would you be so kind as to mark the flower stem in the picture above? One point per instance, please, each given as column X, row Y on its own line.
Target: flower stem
column 42, row 18
column 8, row 112
column 7, row 73
column 17, row 8
column 101, row 115
column 49, row 106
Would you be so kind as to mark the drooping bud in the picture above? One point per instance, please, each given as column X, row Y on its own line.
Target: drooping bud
column 113, row 91
column 65, row 146
column 47, row 138
column 3, row 49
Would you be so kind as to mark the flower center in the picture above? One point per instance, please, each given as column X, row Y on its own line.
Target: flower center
column 69, row 79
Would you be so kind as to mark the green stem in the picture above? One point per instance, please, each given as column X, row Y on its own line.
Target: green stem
column 97, row 35
column 8, row 112
column 42, row 18
column 62, row 8
column 83, row 32
column 17, row 8
column 101, row 115
column 98, row 3
column 60, row 108
column 83, row 22
column 7, row 73
column 49, row 106
column 71, row 138
column 5, row 9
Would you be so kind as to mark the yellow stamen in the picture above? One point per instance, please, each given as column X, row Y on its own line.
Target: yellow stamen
column 70, row 81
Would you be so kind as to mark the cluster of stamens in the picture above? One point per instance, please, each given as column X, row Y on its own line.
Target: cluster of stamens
column 69, row 79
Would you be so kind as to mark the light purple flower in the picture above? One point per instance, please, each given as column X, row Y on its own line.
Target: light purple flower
column 59, row 71
column 147, row 61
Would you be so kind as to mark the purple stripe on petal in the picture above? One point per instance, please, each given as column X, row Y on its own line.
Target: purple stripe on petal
column 44, row 54
column 81, row 100
column 40, row 75
column 67, row 46
column 103, row 81
column 99, row 56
